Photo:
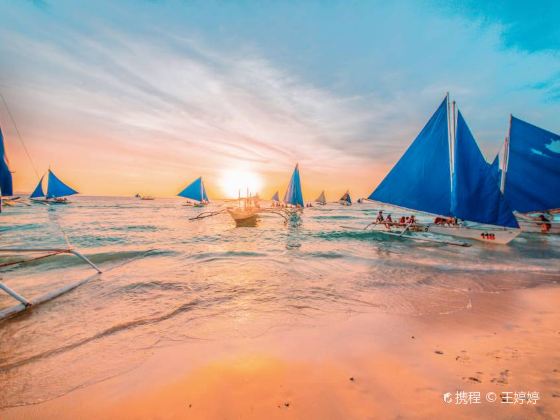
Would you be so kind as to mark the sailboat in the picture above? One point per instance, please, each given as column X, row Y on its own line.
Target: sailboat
column 529, row 175
column 195, row 191
column 57, row 191
column 345, row 200
column 293, row 197
column 321, row 200
column 443, row 173
column 275, row 199
column 6, row 186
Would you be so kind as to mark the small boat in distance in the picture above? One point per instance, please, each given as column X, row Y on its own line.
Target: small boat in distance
column 443, row 173
column 195, row 191
column 275, row 199
column 321, row 200
column 345, row 200
column 57, row 191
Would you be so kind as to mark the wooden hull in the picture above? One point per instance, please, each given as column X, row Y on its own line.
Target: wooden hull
column 244, row 216
column 500, row 236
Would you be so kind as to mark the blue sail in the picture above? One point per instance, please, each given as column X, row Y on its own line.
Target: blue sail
column 532, row 177
column 495, row 169
column 275, row 197
column 346, row 197
column 294, row 195
column 421, row 178
column 475, row 195
column 38, row 191
column 57, row 188
column 195, row 191
column 6, row 184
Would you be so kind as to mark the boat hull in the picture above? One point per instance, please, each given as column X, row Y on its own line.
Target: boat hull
column 244, row 216
column 500, row 236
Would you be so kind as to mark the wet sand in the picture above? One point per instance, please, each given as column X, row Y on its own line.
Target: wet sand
column 368, row 365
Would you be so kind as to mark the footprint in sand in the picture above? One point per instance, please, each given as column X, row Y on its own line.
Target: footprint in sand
column 503, row 379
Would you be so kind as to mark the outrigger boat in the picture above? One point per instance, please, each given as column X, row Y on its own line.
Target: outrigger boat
column 247, row 211
column 529, row 175
column 195, row 191
column 57, row 191
column 6, row 188
column 443, row 173
column 345, row 200
column 321, row 200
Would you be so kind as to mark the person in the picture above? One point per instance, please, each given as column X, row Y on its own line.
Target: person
column 412, row 220
column 545, row 223
column 379, row 217
column 388, row 221
column 402, row 221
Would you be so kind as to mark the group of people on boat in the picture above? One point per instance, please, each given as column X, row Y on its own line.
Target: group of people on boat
column 389, row 222
column 446, row 221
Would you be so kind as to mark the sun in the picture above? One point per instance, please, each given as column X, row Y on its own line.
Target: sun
column 235, row 181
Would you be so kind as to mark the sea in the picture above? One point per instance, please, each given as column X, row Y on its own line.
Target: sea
column 168, row 279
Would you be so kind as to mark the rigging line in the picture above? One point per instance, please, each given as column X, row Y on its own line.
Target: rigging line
column 19, row 136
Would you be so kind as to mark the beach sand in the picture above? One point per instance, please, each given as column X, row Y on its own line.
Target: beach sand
column 368, row 365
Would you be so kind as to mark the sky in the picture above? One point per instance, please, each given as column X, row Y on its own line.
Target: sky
column 145, row 96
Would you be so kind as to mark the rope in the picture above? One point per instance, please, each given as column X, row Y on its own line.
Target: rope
column 32, row 259
column 19, row 136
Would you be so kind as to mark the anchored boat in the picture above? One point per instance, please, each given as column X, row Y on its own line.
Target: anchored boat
column 443, row 173
column 529, row 175
column 57, row 191
column 196, row 192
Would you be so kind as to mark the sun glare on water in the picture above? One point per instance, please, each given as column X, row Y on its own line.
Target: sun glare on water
column 234, row 181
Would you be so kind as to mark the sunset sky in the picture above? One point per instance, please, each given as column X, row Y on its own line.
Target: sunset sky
column 120, row 97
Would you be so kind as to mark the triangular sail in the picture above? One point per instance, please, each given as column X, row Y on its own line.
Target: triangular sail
column 495, row 169
column 38, row 191
column 6, row 184
column 421, row 178
column 321, row 199
column 276, row 197
column 294, row 195
column 57, row 188
column 532, row 176
column 475, row 195
column 346, row 197
column 195, row 191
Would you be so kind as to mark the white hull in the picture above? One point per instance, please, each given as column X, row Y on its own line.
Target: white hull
column 491, row 235
column 529, row 224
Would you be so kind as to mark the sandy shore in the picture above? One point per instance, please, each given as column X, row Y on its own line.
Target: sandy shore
column 364, row 366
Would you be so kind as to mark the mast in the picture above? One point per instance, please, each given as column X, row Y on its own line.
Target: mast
column 506, row 159
column 450, row 141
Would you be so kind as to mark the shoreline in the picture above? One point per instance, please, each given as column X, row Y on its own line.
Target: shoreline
column 369, row 365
